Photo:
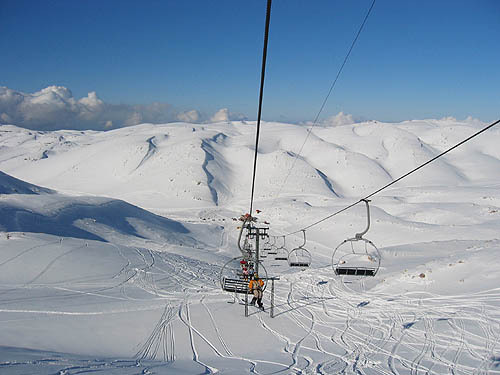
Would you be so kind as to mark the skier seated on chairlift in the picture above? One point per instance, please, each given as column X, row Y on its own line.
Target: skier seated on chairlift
column 251, row 271
column 244, row 269
column 256, row 285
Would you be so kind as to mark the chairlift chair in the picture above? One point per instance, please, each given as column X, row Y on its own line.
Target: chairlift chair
column 232, row 278
column 357, row 256
column 267, row 245
column 272, row 250
column 300, row 256
column 281, row 252
column 264, row 250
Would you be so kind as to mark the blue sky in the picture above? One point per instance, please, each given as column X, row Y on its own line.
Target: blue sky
column 414, row 59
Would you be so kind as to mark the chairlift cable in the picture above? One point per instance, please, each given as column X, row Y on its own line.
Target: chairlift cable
column 261, row 94
column 315, row 122
column 398, row 179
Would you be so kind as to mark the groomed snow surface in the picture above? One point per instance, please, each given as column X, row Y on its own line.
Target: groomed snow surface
column 112, row 243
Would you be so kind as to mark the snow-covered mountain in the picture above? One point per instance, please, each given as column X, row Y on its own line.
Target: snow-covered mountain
column 186, row 165
column 123, row 245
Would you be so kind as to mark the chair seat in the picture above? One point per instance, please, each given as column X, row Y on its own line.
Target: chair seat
column 235, row 285
column 299, row 264
column 355, row 271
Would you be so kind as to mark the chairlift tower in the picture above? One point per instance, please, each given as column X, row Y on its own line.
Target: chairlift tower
column 257, row 234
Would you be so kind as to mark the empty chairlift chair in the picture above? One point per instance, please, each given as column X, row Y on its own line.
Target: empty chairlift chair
column 266, row 248
column 300, row 256
column 271, row 248
column 357, row 256
column 281, row 252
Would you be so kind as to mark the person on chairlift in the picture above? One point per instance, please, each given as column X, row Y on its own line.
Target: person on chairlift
column 251, row 271
column 256, row 286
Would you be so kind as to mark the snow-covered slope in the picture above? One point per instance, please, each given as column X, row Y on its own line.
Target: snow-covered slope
column 11, row 185
column 40, row 210
column 126, row 255
column 185, row 165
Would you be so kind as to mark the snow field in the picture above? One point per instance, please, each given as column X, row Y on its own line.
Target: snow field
column 321, row 323
column 128, row 291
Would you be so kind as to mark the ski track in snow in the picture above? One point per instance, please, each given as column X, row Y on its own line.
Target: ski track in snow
column 359, row 349
column 338, row 329
column 192, row 330
column 162, row 338
column 52, row 262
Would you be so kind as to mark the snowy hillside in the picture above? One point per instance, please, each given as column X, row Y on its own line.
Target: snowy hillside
column 186, row 165
column 11, row 185
column 113, row 242
column 40, row 210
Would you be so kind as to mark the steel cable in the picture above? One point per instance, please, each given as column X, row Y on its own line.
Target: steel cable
column 261, row 95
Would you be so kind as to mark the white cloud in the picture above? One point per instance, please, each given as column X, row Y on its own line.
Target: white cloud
column 4, row 117
column 189, row 116
column 224, row 115
column 134, row 119
column 54, row 107
column 90, row 105
column 473, row 121
column 220, row 115
column 339, row 119
column 448, row 119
